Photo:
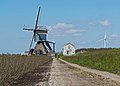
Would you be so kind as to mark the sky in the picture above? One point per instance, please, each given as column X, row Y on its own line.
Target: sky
column 80, row 22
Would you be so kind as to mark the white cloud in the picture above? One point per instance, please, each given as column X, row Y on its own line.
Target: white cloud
column 62, row 26
column 93, row 23
column 64, row 29
column 105, row 23
column 75, row 31
column 96, row 23
column 115, row 36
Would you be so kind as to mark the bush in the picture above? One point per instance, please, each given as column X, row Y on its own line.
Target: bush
column 59, row 55
column 13, row 66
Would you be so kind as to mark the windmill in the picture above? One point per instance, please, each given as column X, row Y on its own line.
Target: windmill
column 39, row 35
column 104, row 40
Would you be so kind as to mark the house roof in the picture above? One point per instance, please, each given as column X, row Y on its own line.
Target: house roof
column 70, row 44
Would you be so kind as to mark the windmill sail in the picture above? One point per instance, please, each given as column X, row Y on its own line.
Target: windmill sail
column 36, row 24
column 35, row 28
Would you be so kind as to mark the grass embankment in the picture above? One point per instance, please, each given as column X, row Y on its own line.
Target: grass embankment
column 101, row 59
column 13, row 66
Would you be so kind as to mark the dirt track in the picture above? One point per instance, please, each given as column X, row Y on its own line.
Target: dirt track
column 65, row 75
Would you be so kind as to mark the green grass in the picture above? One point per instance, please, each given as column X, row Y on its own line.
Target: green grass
column 101, row 59
column 13, row 66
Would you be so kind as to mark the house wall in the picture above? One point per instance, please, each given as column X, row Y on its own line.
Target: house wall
column 68, row 50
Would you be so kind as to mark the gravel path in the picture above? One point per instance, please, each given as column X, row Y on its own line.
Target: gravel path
column 65, row 75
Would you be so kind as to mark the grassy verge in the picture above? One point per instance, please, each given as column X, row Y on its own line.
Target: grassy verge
column 101, row 59
column 13, row 66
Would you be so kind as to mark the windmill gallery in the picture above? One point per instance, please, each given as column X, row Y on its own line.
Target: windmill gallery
column 43, row 46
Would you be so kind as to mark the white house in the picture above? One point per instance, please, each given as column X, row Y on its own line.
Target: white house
column 69, row 49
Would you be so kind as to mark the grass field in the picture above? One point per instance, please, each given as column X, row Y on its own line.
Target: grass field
column 13, row 66
column 101, row 59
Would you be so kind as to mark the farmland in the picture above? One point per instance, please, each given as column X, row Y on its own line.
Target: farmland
column 14, row 66
column 101, row 59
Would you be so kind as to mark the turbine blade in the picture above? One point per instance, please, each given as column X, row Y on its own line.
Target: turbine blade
column 105, row 36
column 108, row 42
column 100, row 39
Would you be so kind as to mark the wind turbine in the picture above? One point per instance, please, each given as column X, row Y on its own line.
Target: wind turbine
column 104, row 40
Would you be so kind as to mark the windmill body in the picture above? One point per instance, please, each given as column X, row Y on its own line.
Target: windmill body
column 40, row 37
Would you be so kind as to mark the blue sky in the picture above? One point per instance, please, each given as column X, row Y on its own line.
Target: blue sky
column 81, row 22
